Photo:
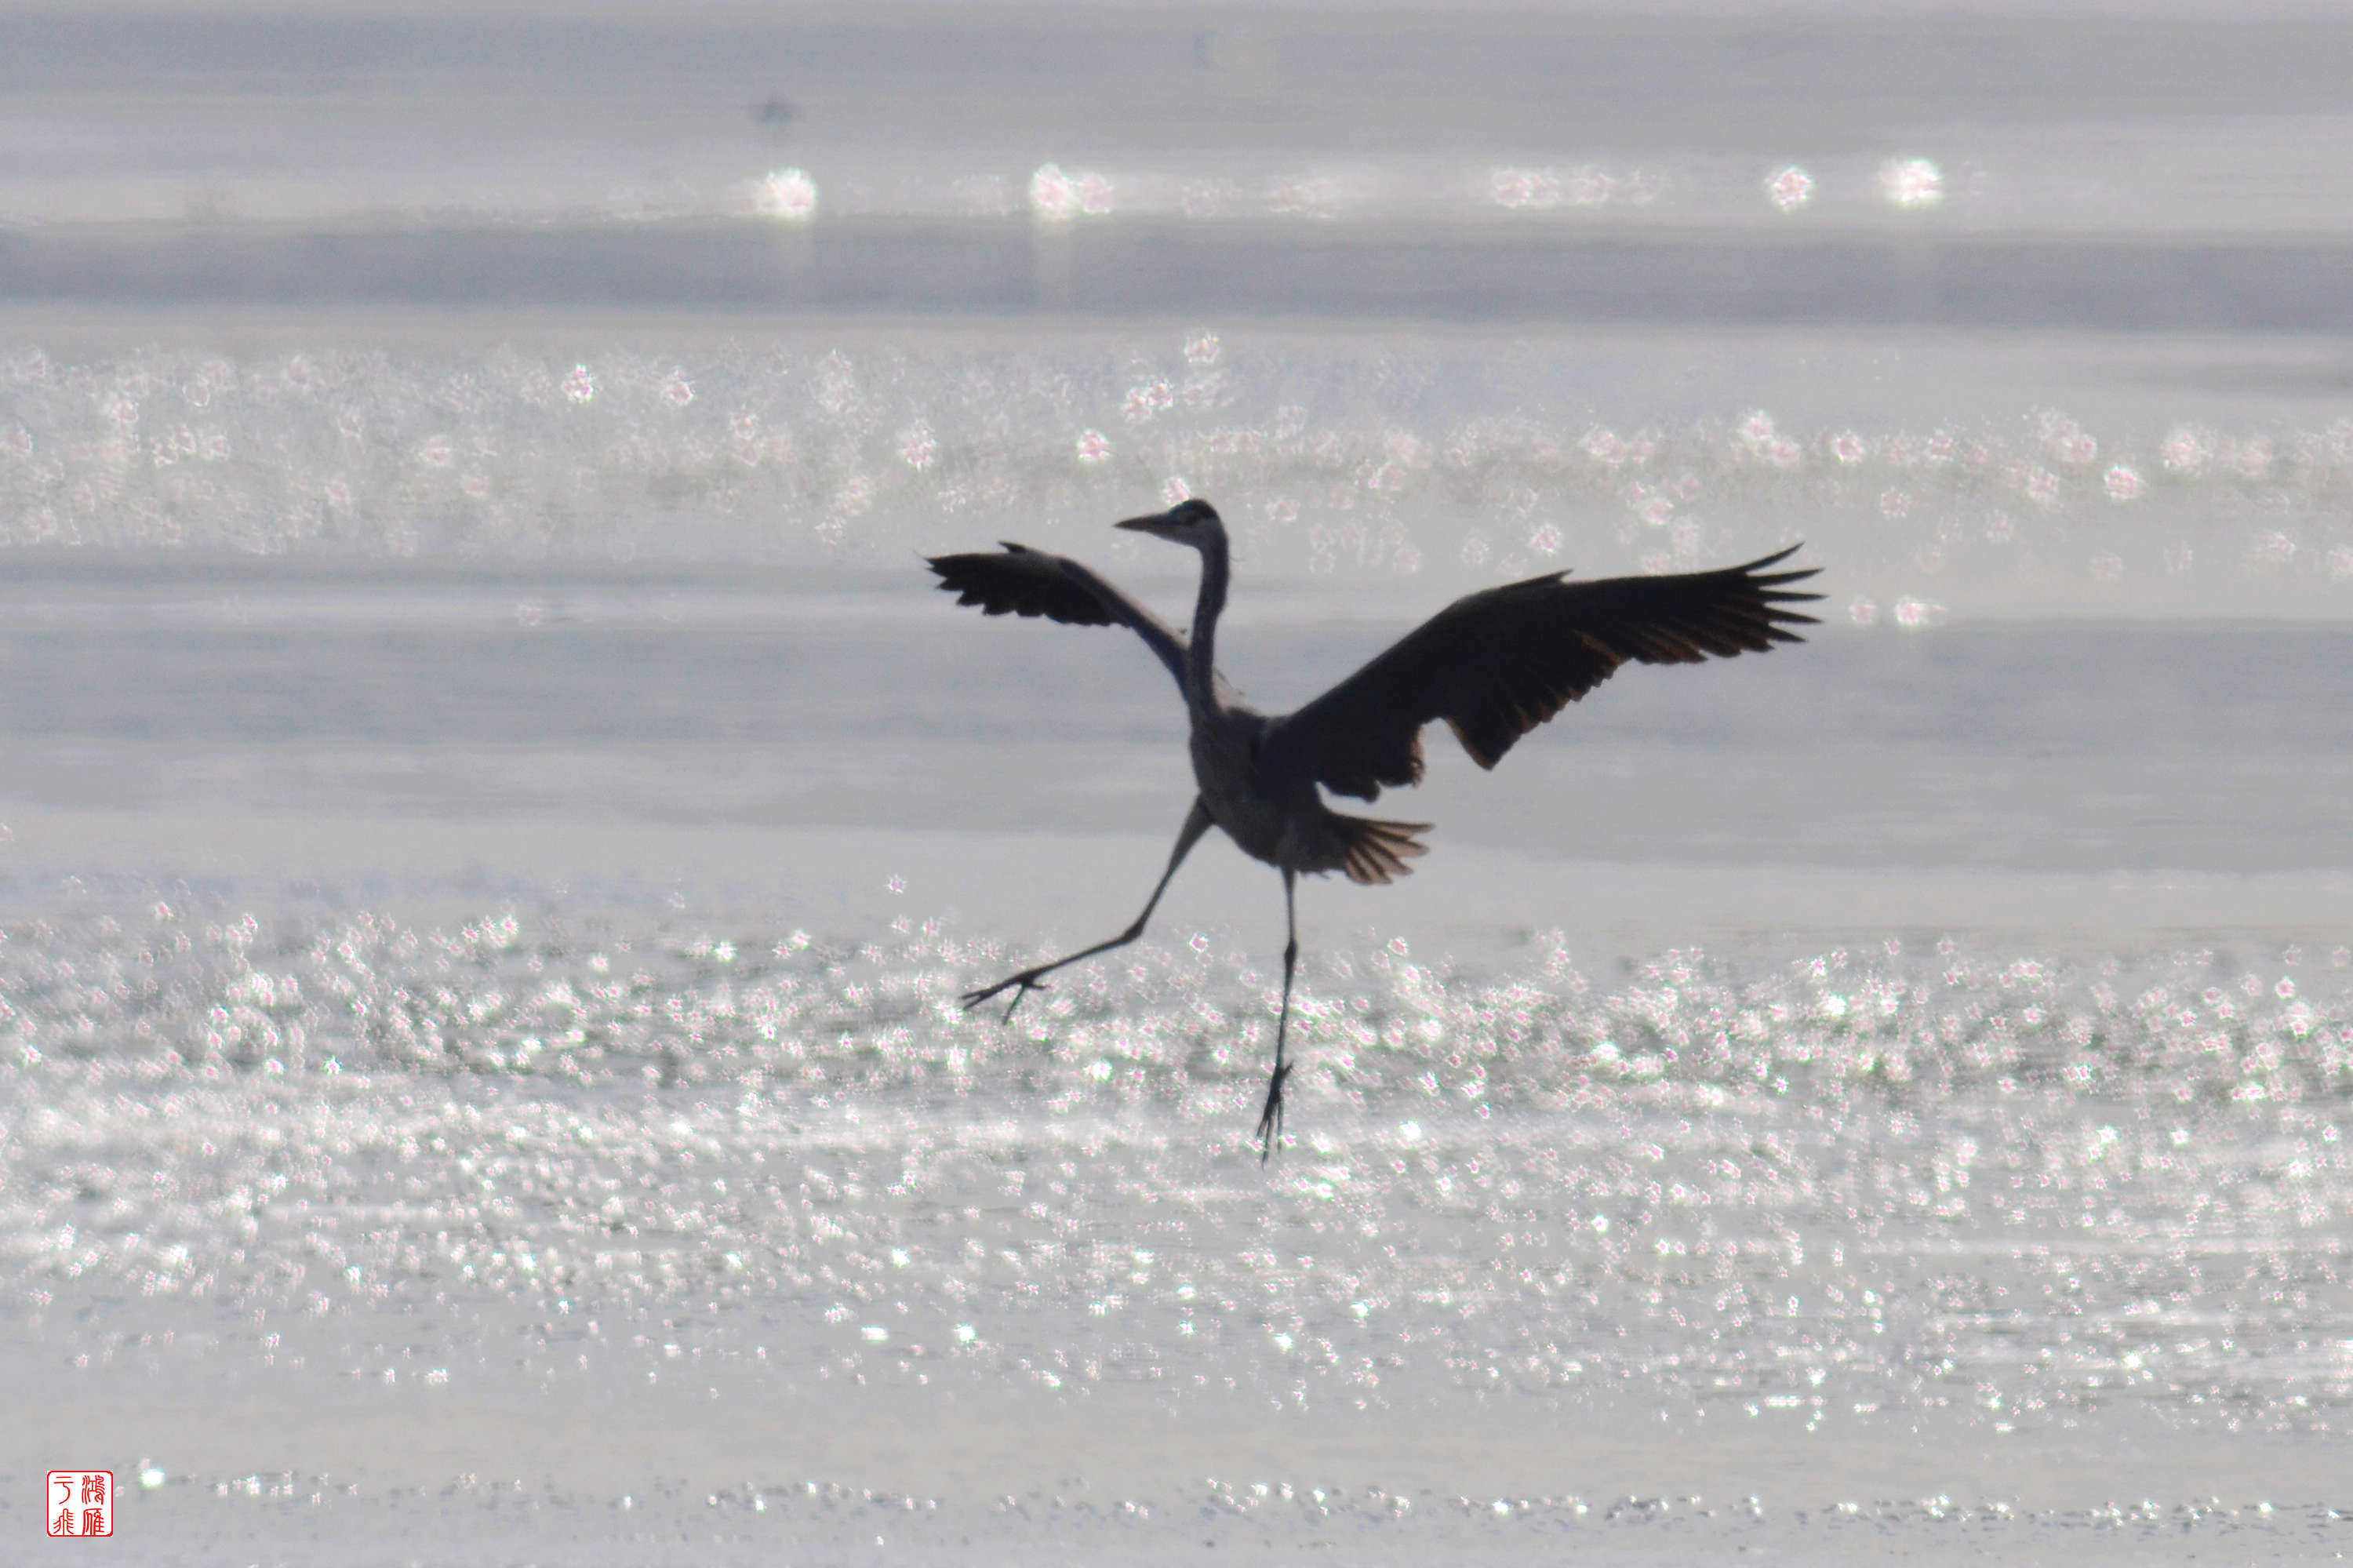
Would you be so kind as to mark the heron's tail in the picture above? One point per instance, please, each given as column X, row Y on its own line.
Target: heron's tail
column 1376, row 851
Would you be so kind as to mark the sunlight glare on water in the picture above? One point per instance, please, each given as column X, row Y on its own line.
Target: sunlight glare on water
column 496, row 824
column 2021, row 1185
column 1323, row 455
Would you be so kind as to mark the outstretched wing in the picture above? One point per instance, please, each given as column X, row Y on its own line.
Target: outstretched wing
column 1019, row 580
column 1495, row 664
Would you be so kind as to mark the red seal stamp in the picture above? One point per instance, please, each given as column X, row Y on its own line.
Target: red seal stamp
column 80, row 1503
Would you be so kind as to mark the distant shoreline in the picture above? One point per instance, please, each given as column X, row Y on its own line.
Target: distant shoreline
column 1125, row 268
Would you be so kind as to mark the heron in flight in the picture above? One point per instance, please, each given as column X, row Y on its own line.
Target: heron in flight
column 1493, row 666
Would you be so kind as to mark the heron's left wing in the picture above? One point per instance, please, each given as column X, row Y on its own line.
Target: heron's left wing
column 1019, row 580
column 1495, row 664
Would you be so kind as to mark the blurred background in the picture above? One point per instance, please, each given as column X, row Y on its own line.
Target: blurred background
column 2020, row 308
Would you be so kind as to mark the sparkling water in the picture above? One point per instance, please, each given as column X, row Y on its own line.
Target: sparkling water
column 495, row 823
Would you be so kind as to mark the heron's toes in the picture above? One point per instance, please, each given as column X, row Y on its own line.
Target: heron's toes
column 1270, row 1121
column 1027, row 987
column 1025, row 982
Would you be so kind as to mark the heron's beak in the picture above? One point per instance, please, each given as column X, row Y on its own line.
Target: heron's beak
column 1156, row 524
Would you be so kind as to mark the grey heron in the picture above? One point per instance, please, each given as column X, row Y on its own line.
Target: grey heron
column 1493, row 664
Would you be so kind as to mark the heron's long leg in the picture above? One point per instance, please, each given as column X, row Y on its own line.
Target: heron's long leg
column 1197, row 822
column 1270, row 1121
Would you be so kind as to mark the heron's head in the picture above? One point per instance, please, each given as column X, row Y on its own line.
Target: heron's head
column 1194, row 523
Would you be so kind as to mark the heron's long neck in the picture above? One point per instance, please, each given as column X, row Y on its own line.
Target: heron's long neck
column 1201, row 653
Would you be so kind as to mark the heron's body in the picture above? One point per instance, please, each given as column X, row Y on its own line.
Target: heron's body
column 1227, row 739
column 1224, row 746
column 1492, row 665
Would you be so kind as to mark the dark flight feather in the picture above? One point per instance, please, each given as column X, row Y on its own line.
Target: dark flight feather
column 1497, row 663
column 1021, row 581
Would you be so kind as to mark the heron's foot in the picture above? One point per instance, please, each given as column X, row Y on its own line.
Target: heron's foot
column 1028, row 981
column 1270, row 1121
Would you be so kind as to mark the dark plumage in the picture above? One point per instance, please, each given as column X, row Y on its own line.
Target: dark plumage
column 1023, row 581
column 1492, row 665
column 1497, row 663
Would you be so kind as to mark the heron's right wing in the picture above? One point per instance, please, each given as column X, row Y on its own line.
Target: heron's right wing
column 1495, row 664
column 1019, row 580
